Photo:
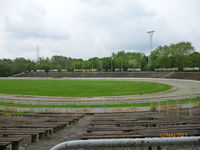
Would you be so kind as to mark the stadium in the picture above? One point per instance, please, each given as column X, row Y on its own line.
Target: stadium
column 40, row 118
column 124, row 101
column 99, row 75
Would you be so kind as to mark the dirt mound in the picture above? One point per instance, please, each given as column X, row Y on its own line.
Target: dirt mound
column 171, row 75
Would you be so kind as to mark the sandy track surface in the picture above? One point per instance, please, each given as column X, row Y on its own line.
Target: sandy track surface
column 181, row 89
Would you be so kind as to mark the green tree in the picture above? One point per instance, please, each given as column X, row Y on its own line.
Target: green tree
column 175, row 55
column 6, row 67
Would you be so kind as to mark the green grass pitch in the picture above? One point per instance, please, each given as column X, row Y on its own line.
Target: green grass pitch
column 79, row 88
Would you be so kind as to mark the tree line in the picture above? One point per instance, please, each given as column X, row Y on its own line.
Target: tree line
column 182, row 54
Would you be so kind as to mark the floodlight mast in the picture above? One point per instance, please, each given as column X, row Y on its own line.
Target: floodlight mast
column 37, row 54
column 151, row 41
column 151, row 35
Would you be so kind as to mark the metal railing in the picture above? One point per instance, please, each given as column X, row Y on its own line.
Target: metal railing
column 111, row 143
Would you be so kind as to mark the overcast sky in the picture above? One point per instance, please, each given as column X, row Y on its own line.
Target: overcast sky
column 89, row 28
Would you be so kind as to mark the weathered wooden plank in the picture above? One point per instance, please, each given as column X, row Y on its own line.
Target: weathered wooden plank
column 14, row 142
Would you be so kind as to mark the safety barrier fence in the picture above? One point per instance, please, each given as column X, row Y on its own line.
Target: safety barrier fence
column 127, row 143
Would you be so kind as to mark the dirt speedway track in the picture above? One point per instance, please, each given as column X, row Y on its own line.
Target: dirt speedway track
column 180, row 89
column 30, row 128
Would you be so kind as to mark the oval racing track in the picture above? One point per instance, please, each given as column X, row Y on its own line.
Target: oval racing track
column 181, row 89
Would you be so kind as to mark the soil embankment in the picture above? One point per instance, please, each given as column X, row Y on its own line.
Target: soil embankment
column 170, row 75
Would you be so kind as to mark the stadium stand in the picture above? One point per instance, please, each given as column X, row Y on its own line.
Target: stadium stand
column 32, row 127
column 171, row 75
column 35, row 126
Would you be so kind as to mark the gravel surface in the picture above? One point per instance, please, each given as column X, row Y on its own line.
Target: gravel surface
column 70, row 133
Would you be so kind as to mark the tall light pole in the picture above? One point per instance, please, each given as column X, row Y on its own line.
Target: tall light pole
column 92, row 66
column 151, row 41
column 83, row 66
column 101, row 66
column 37, row 54
column 151, row 36
column 66, row 66
column 111, row 68
column 75, row 65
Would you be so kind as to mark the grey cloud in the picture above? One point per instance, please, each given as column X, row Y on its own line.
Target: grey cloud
column 98, row 2
column 24, row 31
column 31, row 23
column 87, row 28
column 115, row 13
column 125, row 23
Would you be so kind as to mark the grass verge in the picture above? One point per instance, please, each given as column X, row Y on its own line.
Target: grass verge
column 163, row 103
column 11, row 112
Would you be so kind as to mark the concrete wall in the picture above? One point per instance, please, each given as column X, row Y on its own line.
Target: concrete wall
column 98, row 110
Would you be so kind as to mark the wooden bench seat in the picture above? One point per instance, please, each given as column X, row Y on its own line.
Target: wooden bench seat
column 109, row 129
column 110, row 136
column 3, row 145
column 109, row 133
column 55, row 127
column 13, row 141
column 33, row 125
column 44, row 131
column 186, row 126
column 32, row 134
